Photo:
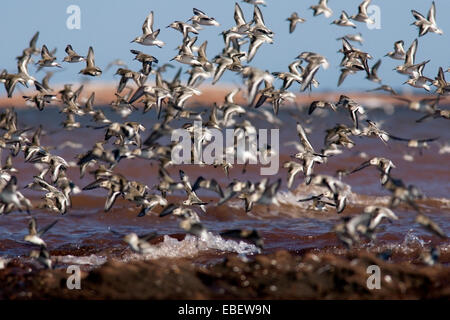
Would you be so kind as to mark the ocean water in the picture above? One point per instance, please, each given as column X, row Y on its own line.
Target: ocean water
column 82, row 236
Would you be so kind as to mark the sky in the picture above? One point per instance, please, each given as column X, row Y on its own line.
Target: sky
column 110, row 25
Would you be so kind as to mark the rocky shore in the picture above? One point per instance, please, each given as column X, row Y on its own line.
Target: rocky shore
column 279, row 275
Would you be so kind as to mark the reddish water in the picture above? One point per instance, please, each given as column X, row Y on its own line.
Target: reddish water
column 290, row 226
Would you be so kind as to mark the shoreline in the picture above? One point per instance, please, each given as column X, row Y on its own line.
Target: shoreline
column 104, row 95
column 278, row 275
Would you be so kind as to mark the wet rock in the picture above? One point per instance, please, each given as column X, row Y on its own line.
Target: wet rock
column 281, row 275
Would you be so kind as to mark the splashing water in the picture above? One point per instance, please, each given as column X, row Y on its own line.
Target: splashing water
column 412, row 239
column 190, row 246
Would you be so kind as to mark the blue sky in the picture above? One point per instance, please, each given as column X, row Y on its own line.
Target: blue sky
column 109, row 26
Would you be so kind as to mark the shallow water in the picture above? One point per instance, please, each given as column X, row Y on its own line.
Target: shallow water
column 82, row 236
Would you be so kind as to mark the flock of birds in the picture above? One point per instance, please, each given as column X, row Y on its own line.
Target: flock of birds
column 169, row 98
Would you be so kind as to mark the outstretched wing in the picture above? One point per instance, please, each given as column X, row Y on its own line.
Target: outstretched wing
column 304, row 139
column 147, row 27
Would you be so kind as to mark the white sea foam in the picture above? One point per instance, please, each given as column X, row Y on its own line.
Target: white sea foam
column 92, row 260
column 191, row 246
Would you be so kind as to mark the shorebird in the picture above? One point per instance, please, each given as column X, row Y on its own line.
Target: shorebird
column 137, row 243
column 10, row 81
column 420, row 82
column 416, row 143
column 46, row 79
column 308, row 155
column 11, row 198
column 91, row 69
column 289, row 77
column 55, row 164
column 315, row 61
column 256, row 2
column 42, row 256
column 188, row 59
column 195, row 228
column 193, row 199
column 409, row 67
column 435, row 113
column 263, row 193
column 372, row 130
column 167, row 184
column 181, row 212
column 344, row 21
column 386, row 88
column 417, row 105
column 146, row 60
column 55, row 199
column 48, row 60
column 183, row 27
column 32, row 49
column 125, row 75
column 115, row 185
column 149, row 37
column 430, row 257
column 373, row 74
column 293, row 20
column 428, row 24
column 320, row 104
column 147, row 203
column 322, row 8
column 256, row 40
column 42, row 97
column 116, row 62
column 207, row 184
column 353, row 37
column 293, row 169
column 202, row 19
column 442, row 86
column 190, row 221
column 377, row 214
column 399, row 52
column 276, row 97
column 251, row 235
column 402, row 193
column 318, row 204
column 72, row 56
column 430, row 225
column 353, row 107
column 34, row 236
column 338, row 189
column 362, row 15
column 227, row 62
column 384, row 165
column 233, row 189
column 350, row 230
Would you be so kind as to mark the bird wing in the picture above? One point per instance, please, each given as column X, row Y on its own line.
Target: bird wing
column 411, row 53
column 258, row 18
column 432, row 13
column 147, row 27
column 90, row 58
column 303, row 138
column 46, row 228
column 238, row 15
